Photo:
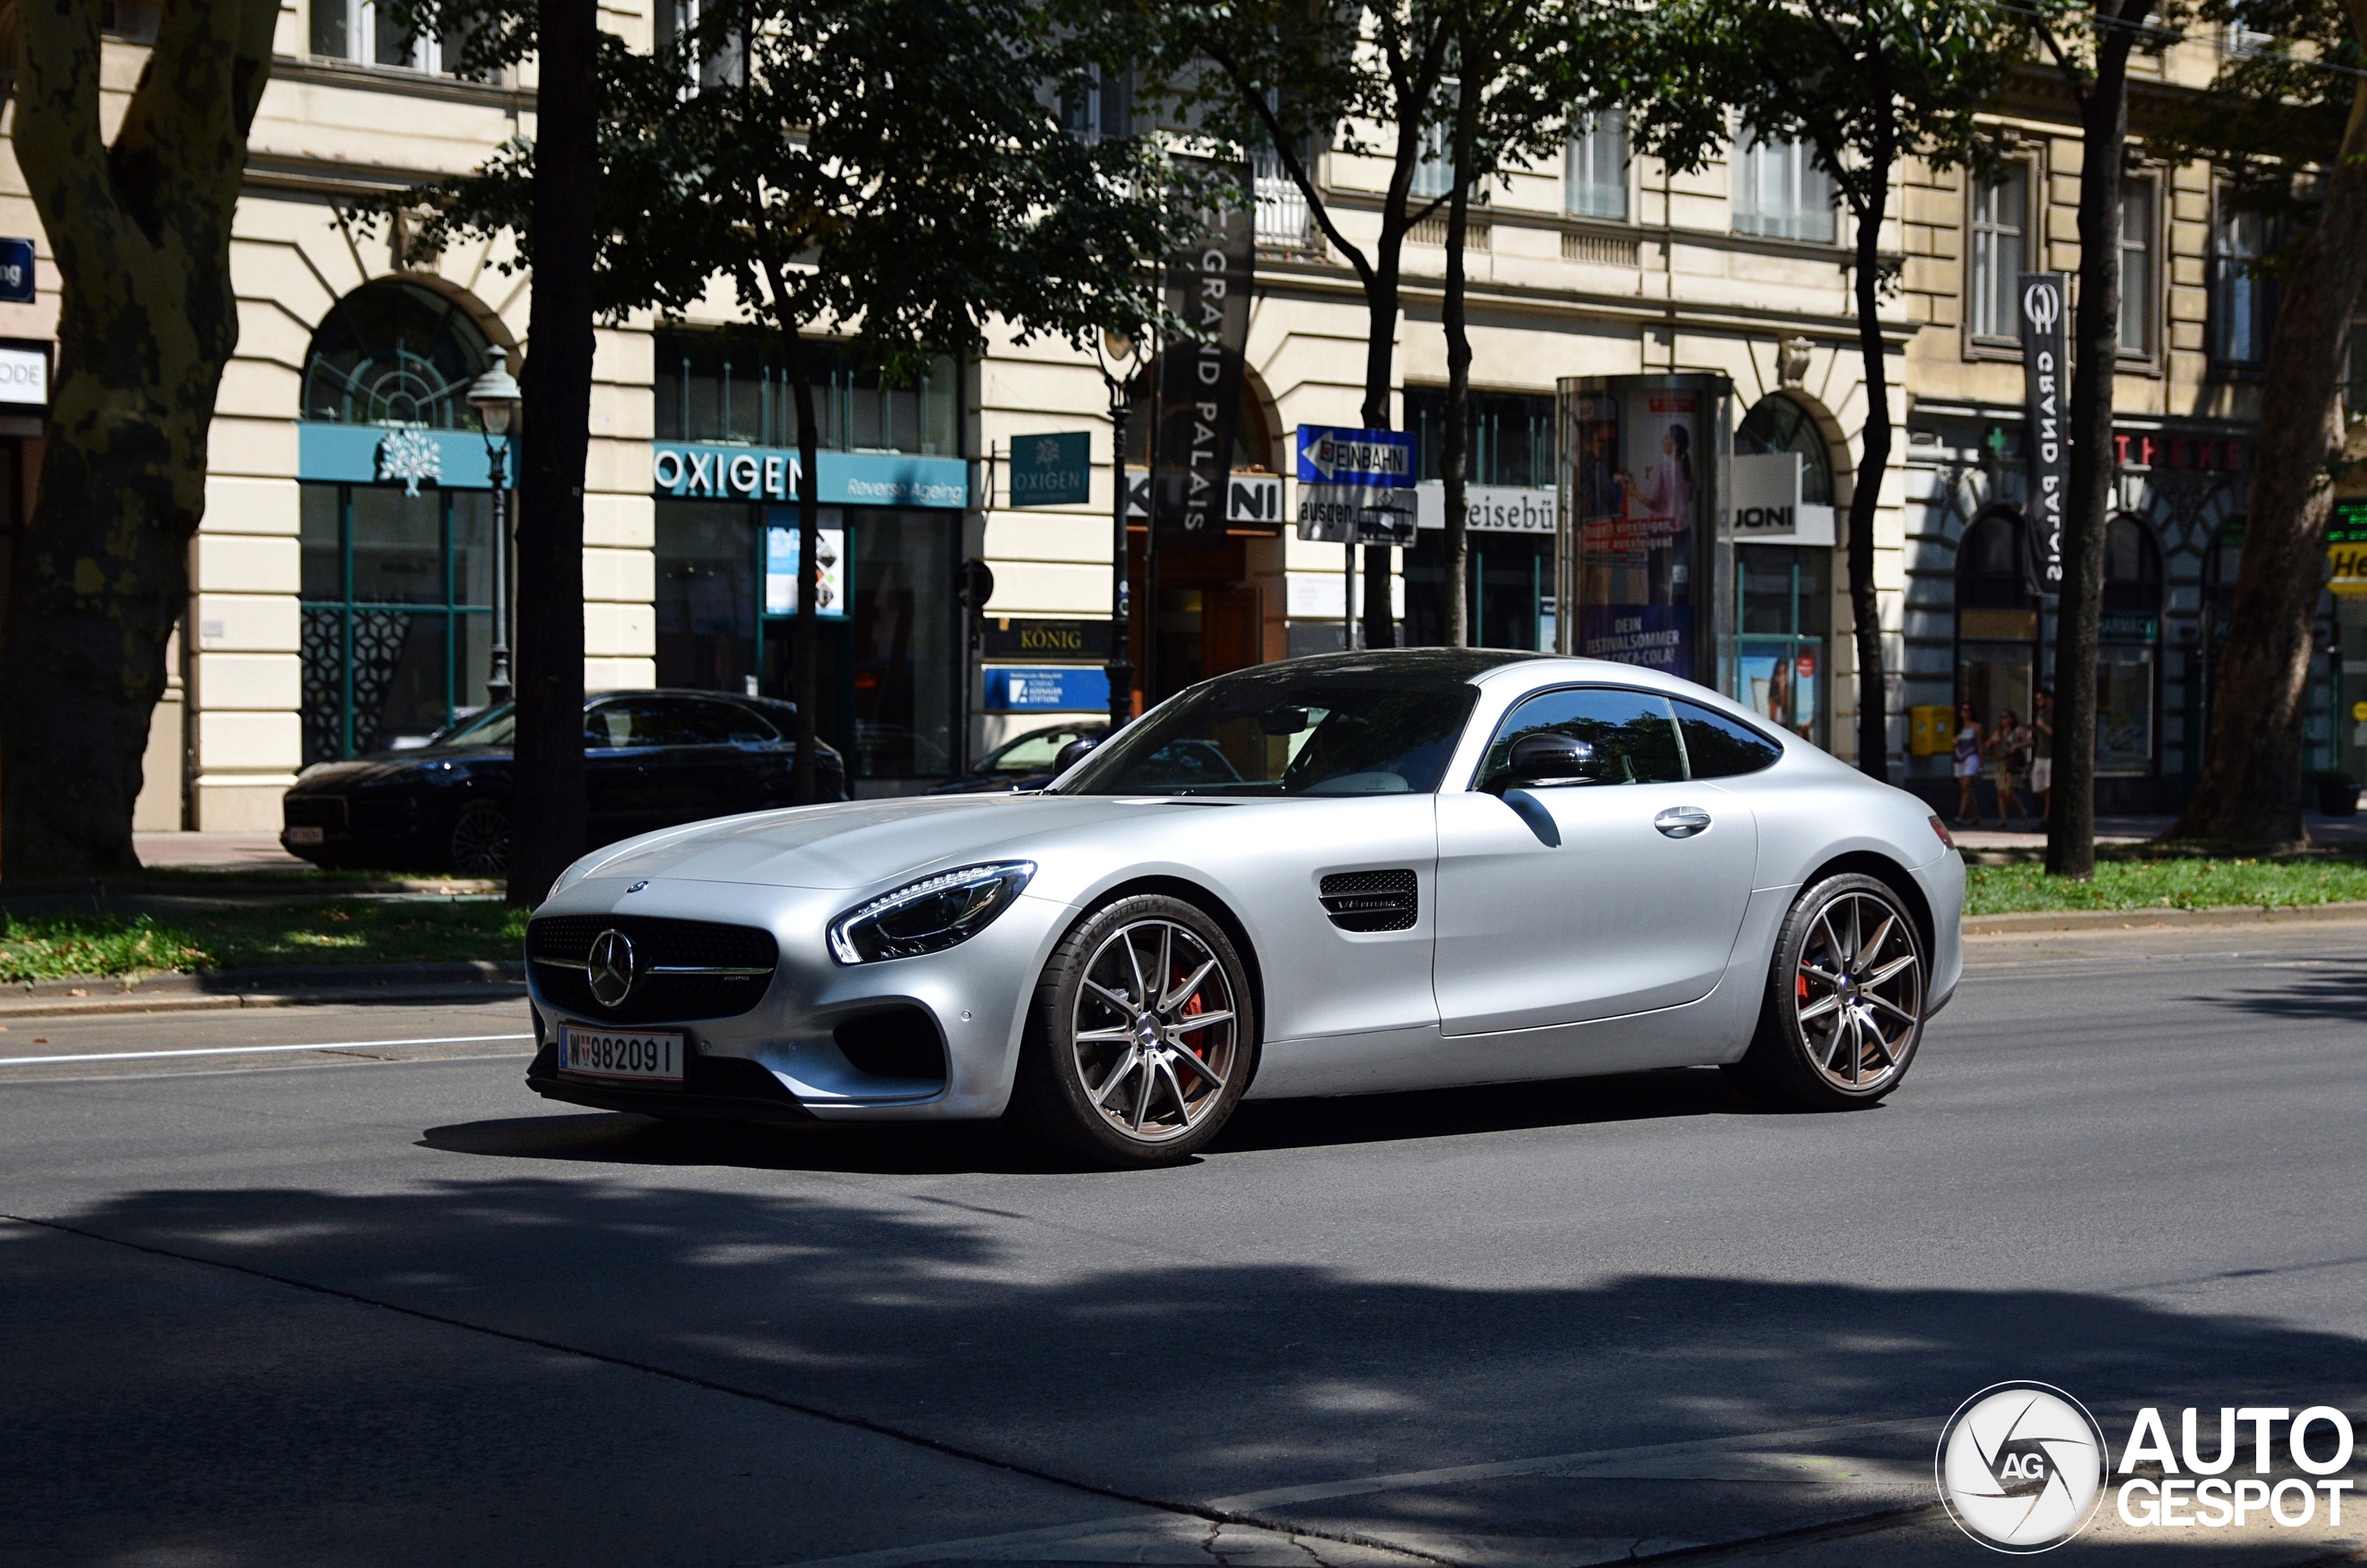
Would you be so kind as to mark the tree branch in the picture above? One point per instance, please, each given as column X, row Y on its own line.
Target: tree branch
column 1291, row 162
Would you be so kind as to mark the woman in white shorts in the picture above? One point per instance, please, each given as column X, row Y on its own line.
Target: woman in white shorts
column 1968, row 764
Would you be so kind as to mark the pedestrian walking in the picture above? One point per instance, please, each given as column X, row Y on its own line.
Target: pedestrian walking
column 2042, row 752
column 1968, row 766
column 2008, row 751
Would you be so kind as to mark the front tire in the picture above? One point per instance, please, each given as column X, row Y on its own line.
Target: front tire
column 1141, row 1037
column 479, row 843
column 1845, row 1012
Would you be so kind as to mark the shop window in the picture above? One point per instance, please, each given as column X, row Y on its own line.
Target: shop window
column 1511, row 437
column 730, row 387
column 2130, row 635
column 1778, row 424
column 1508, row 590
column 1779, row 192
column 2000, row 214
column 888, row 650
column 1594, row 168
column 396, row 595
column 1998, row 618
column 1783, row 628
column 395, row 353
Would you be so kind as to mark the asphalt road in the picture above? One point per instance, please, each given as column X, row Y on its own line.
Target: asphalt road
column 377, row 1304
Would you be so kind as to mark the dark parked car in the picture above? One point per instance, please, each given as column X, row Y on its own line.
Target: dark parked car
column 1025, row 762
column 651, row 759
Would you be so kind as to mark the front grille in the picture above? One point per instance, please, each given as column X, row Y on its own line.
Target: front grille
column 657, row 943
column 313, row 811
column 1371, row 901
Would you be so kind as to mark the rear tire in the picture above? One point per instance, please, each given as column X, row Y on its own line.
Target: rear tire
column 1843, row 1012
column 479, row 842
column 1141, row 1037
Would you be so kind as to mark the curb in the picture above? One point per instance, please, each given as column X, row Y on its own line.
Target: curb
column 274, row 986
column 2097, row 920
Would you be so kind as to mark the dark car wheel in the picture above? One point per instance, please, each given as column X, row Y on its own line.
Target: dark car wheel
column 480, row 843
column 1141, row 1037
column 1843, row 1012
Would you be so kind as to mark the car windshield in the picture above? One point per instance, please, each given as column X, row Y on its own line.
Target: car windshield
column 1273, row 732
column 488, row 727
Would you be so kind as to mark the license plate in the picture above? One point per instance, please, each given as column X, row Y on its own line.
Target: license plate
column 303, row 835
column 619, row 1053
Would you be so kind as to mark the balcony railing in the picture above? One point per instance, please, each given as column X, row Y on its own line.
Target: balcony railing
column 1283, row 223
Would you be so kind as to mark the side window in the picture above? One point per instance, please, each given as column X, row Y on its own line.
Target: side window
column 608, row 725
column 1719, row 747
column 1633, row 733
column 1032, row 753
column 633, row 721
column 747, row 725
column 699, row 722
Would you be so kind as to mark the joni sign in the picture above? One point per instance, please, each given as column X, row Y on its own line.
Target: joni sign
column 767, row 473
column 1248, row 497
column 2046, row 387
column 1768, row 509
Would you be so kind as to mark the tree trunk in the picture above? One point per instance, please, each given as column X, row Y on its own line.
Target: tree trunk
column 141, row 234
column 1865, row 606
column 2095, row 354
column 1380, row 347
column 1454, row 446
column 804, row 637
column 2250, row 793
column 549, row 810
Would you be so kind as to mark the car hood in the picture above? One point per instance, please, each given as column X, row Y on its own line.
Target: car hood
column 855, row 843
column 381, row 765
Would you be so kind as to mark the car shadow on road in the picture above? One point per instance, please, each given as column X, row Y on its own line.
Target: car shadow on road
column 2339, row 995
column 944, row 1149
column 211, row 1367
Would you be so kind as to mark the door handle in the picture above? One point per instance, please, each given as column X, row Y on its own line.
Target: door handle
column 1681, row 821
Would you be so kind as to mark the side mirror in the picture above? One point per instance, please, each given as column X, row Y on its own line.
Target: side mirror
column 1548, row 758
column 1073, row 754
column 1282, row 721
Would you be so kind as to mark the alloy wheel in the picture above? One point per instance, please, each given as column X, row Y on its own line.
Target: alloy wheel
column 1859, row 992
column 481, row 841
column 1155, row 1030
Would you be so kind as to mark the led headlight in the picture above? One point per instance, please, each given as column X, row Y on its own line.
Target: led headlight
column 930, row 915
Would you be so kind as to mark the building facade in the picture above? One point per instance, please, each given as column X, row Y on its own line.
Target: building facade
column 342, row 581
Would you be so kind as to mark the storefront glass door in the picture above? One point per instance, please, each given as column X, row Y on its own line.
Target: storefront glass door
column 1784, row 607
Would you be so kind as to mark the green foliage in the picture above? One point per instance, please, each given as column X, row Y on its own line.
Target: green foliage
column 2166, row 884
column 898, row 168
column 58, row 946
column 2276, row 109
column 1864, row 82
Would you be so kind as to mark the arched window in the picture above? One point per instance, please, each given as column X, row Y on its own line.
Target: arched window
column 1989, row 565
column 2132, row 569
column 1777, row 423
column 395, row 353
column 1997, row 622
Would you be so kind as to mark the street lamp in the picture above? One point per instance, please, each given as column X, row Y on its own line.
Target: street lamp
column 495, row 396
column 1116, row 351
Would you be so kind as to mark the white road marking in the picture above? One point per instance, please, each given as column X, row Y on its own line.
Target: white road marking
column 261, row 1051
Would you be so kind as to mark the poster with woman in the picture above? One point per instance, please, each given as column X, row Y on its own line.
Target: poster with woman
column 1635, row 589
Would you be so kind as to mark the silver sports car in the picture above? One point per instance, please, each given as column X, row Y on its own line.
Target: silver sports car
column 1333, row 875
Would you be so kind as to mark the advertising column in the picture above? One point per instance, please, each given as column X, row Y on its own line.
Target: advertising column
column 1643, row 573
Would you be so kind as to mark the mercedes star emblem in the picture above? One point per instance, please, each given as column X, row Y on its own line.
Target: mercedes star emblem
column 610, row 964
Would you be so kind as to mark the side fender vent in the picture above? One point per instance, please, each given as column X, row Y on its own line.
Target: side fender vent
column 1371, row 901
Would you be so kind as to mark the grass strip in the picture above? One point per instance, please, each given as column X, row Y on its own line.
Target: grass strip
column 2166, row 884
column 406, row 931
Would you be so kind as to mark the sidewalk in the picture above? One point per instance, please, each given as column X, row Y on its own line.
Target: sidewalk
column 2345, row 830
column 215, row 852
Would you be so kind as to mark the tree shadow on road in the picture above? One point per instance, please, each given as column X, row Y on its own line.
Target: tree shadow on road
column 166, row 1385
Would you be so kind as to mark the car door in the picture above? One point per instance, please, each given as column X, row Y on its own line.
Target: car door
column 1565, row 903
column 696, row 769
column 621, row 789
